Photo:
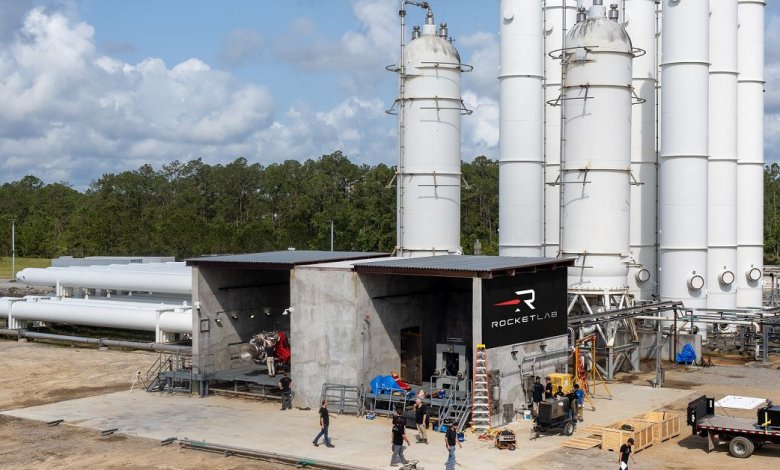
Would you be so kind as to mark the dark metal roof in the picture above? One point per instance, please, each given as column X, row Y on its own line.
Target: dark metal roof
column 461, row 265
column 287, row 259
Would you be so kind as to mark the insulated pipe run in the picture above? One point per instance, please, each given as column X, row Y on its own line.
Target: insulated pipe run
column 521, row 109
column 684, row 154
column 98, row 341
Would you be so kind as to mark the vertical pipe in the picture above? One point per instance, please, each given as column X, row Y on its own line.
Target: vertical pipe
column 639, row 20
column 521, row 155
column 13, row 250
column 722, row 167
column 559, row 16
column 684, row 152
column 750, row 163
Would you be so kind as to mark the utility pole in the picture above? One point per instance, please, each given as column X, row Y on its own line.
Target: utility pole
column 331, row 234
column 13, row 250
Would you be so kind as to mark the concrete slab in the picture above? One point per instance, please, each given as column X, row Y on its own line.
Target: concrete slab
column 360, row 442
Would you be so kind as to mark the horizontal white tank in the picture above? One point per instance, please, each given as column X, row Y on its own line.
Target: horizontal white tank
column 597, row 157
column 107, row 314
column 174, row 278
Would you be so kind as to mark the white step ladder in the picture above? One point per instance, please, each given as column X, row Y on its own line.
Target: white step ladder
column 480, row 397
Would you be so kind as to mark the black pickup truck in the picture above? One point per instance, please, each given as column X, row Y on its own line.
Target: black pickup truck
column 743, row 435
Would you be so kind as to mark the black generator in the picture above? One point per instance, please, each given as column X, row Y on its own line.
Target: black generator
column 553, row 410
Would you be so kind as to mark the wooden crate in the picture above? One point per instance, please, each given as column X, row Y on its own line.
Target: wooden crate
column 613, row 437
column 665, row 425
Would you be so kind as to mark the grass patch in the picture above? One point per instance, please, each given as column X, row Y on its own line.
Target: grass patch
column 21, row 263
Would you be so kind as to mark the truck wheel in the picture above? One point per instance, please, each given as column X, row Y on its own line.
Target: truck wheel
column 569, row 428
column 512, row 447
column 741, row 447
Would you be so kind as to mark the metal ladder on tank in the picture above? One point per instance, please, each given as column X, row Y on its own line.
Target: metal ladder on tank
column 480, row 397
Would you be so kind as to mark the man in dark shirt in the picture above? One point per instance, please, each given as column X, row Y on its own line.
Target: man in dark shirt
column 284, row 385
column 398, row 436
column 450, row 439
column 324, row 423
column 559, row 393
column 625, row 453
column 420, row 412
column 548, row 390
column 538, row 393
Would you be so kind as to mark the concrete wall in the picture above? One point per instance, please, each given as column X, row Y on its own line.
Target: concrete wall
column 226, row 293
column 346, row 328
column 324, row 332
column 519, row 361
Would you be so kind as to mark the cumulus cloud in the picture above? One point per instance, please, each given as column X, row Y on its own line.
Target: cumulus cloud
column 69, row 113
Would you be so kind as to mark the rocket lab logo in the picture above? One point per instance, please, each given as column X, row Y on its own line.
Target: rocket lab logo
column 521, row 293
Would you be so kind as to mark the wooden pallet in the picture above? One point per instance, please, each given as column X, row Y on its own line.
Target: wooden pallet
column 582, row 443
column 665, row 425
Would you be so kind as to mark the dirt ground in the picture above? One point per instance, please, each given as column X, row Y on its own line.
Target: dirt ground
column 33, row 374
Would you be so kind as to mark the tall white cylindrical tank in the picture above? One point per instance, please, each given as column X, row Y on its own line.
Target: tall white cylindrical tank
column 722, row 168
column 750, row 164
column 429, row 175
column 640, row 21
column 597, row 156
column 682, row 195
column 521, row 108
column 559, row 17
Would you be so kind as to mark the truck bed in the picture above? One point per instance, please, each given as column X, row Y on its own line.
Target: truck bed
column 728, row 424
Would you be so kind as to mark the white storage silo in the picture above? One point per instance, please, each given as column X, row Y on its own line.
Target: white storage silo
column 595, row 173
column 429, row 176
column 521, row 107
column 684, row 152
column 722, row 167
column 640, row 19
column 559, row 17
column 750, row 164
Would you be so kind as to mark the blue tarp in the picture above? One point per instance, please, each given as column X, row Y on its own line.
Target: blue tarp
column 686, row 356
column 384, row 384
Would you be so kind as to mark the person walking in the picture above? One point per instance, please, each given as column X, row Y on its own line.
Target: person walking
column 284, row 386
column 538, row 393
column 625, row 453
column 548, row 389
column 324, row 423
column 420, row 414
column 397, row 438
column 580, row 401
column 270, row 360
column 450, row 439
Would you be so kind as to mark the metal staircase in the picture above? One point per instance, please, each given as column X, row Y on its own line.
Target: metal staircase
column 480, row 400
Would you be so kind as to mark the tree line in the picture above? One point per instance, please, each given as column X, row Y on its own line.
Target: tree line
column 191, row 208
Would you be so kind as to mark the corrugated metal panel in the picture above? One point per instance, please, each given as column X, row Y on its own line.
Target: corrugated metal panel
column 280, row 259
column 458, row 265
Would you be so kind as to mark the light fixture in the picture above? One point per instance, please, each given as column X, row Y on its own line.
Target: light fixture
column 218, row 321
column 251, row 316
